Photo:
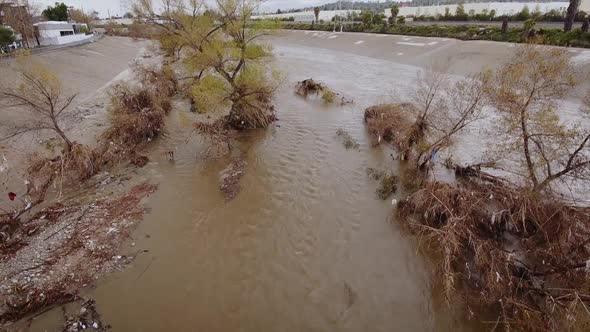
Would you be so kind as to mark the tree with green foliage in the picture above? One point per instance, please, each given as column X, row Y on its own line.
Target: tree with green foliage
column 6, row 36
column 128, row 15
column 570, row 15
column 529, row 24
column 536, row 14
column 316, row 12
column 460, row 12
column 492, row 14
column 57, row 13
column 401, row 20
column 228, row 68
column 394, row 12
column 524, row 14
column 367, row 18
column 447, row 13
column 378, row 19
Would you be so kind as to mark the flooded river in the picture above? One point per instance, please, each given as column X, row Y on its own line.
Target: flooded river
column 306, row 246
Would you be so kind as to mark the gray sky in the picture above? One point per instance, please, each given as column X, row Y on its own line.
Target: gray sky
column 119, row 7
column 116, row 7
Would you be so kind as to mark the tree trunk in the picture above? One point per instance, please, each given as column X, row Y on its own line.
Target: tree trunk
column 504, row 26
column 63, row 136
column 570, row 15
column 66, row 140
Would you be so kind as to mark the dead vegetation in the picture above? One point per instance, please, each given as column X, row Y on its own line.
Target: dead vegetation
column 220, row 136
column 393, row 123
column 309, row 87
column 514, row 250
column 439, row 110
column 521, row 254
column 137, row 117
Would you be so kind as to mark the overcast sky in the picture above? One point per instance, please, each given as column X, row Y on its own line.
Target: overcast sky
column 119, row 7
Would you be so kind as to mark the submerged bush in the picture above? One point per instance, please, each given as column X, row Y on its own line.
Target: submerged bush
column 347, row 139
column 387, row 182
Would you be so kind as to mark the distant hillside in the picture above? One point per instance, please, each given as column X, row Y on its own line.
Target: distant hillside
column 382, row 5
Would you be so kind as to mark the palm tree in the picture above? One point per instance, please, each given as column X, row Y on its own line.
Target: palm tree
column 316, row 12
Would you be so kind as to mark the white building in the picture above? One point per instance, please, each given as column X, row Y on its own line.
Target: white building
column 59, row 33
column 501, row 8
column 122, row 21
column 308, row 16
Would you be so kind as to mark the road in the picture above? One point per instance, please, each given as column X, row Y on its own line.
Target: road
column 463, row 57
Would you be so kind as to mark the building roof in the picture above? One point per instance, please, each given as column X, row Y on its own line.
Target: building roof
column 57, row 25
column 52, row 22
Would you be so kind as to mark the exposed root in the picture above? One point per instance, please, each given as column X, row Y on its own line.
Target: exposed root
column 219, row 134
column 504, row 248
column 251, row 115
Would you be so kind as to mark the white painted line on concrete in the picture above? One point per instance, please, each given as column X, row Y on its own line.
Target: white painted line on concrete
column 406, row 38
column 359, row 42
column 94, row 52
column 411, row 44
column 400, row 53
column 332, row 37
column 432, row 43
column 444, row 40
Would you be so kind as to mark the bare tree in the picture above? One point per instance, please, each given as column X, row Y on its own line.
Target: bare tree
column 442, row 109
column 79, row 16
column 19, row 15
column 447, row 109
column 525, row 91
column 41, row 95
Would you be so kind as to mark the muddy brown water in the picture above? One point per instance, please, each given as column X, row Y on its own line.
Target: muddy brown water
column 306, row 246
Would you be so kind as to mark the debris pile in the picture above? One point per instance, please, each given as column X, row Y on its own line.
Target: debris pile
column 229, row 178
column 519, row 253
